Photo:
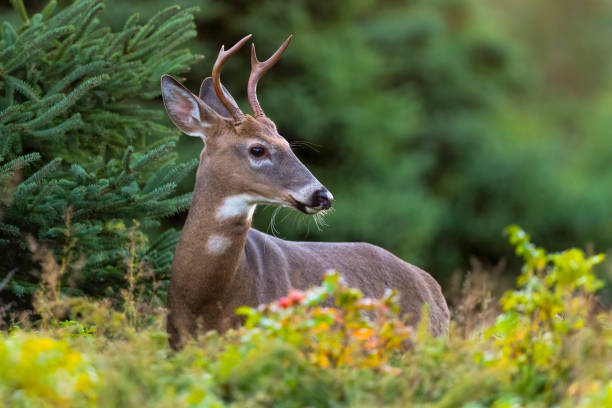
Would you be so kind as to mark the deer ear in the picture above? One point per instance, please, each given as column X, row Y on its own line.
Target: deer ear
column 209, row 96
column 187, row 111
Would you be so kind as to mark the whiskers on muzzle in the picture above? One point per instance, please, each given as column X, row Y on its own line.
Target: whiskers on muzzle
column 319, row 218
column 272, row 226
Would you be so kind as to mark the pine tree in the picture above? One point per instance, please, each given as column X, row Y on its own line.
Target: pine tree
column 86, row 161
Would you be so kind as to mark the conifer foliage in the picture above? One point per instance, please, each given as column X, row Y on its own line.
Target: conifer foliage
column 87, row 169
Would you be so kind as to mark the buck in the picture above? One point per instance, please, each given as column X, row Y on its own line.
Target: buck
column 222, row 263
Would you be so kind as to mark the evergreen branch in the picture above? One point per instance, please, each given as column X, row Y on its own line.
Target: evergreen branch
column 132, row 21
column 66, row 15
column 7, row 114
column 97, row 67
column 174, row 135
column 79, row 173
column 50, row 100
column 174, row 174
column 34, row 47
column 150, row 26
column 173, row 29
column 122, row 68
column 151, row 46
column 174, row 65
column 166, row 240
column 6, row 143
column 173, row 43
column 23, row 88
column 20, row 8
column 40, row 175
column 128, row 90
column 162, row 175
column 8, row 229
column 48, row 211
column 67, row 102
column 119, row 41
column 22, row 194
column 82, row 212
column 10, row 94
column 136, row 110
column 173, row 206
column 187, row 169
column 9, row 34
column 157, row 194
column 127, row 155
column 48, row 10
column 109, row 118
column 153, row 155
column 148, row 223
column 19, row 162
column 183, row 18
column 87, row 20
column 64, row 45
column 6, row 51
column 73, row 122
column 68, row 85
column 94, row 38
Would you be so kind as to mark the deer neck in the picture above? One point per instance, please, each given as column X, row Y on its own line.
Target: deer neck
column 211, row 249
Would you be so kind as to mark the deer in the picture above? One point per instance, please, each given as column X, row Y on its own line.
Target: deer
column 220, row 262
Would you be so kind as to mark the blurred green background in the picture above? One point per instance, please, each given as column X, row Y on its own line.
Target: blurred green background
column 434, row 123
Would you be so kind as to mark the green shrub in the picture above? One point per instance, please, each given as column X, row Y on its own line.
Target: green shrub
column 83, row 161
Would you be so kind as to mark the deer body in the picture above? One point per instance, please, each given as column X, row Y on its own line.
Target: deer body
column 222, row 263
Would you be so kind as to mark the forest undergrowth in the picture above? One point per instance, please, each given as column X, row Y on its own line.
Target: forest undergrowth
column 545, row 343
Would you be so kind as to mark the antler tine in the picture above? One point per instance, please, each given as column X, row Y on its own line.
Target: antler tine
column 216, row 77
column 257, row 70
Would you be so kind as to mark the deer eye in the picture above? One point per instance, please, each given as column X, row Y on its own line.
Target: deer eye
column 257, row 151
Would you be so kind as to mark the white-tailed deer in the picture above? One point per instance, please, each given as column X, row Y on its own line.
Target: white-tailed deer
column 222, row 263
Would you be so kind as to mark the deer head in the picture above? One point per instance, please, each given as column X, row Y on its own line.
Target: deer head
column 245, row 155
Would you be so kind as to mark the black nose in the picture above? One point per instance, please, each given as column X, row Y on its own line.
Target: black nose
column 322, row 199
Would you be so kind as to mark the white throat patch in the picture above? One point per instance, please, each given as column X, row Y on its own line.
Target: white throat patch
column 234, row 206
column 217, row 244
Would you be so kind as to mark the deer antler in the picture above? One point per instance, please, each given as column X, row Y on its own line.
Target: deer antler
column 257, row 70
column 216, row 77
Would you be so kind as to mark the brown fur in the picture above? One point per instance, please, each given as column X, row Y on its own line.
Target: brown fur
column 256, row 268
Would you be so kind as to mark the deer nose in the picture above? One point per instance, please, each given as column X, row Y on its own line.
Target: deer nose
column 322, row 199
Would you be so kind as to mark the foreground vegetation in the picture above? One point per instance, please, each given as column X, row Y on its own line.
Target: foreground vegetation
column 549, row 345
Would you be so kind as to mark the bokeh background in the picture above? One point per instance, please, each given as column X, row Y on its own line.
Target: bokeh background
column 434, row 123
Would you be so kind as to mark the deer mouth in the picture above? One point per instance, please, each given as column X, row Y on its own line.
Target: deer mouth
column 305, row 208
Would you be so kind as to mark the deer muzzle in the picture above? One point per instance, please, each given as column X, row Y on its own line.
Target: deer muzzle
column 321, row 199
